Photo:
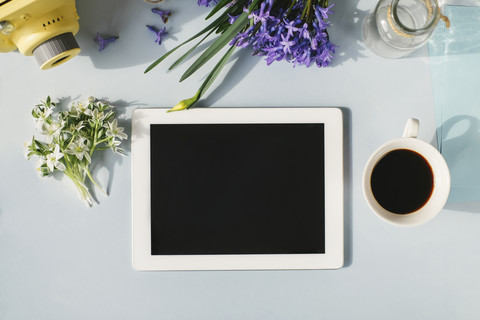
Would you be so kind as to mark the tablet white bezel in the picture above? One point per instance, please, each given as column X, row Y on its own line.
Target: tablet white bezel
column 140, row 157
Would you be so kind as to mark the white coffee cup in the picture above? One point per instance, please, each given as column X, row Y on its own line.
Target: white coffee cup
column 439, row 173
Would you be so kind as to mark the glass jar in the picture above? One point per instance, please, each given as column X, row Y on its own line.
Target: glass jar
column 395, row 28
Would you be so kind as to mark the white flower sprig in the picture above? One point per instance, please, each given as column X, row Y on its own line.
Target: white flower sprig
column 71, row 137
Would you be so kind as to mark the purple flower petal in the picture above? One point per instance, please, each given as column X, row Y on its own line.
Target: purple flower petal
column 206, row 3
column 103, row 42
column 281, row 34
column 164, row 14
column 158, row 32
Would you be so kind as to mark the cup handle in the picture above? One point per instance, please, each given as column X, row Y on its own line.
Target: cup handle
column 411, row 128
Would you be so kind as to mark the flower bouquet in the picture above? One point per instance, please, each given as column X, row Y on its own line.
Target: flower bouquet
column 71, row 137
column 281, row 30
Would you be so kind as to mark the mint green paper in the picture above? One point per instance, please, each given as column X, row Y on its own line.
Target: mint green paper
column 455, row 67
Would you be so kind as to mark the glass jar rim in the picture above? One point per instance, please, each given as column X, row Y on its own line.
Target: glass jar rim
column 434, row 14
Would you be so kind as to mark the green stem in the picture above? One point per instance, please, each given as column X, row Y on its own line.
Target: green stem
column 187, row 103
column 85, row 169
column 215, row 24
column 71, row 140
column 101, row 141
column 221, row 41
column 66, row 161
column 306, row 9
column 290, row 8
column 94, row 140
column 79, row 181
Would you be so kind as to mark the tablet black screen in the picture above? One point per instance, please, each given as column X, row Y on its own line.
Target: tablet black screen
column 237, row 189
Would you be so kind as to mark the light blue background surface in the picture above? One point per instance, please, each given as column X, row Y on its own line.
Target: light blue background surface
column 61, row 260
column 455, row 64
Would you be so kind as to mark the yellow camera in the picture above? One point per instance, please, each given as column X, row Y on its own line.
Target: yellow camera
column 42, row 28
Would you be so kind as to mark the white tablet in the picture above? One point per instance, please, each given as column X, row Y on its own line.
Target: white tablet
column 237, row 189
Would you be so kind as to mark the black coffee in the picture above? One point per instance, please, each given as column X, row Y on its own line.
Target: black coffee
column 402, row 181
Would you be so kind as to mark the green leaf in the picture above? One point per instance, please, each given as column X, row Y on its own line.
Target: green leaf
column 189, row 51
column 216, row 71
column 187, row 103
column 221, row 42
column 219, row 6
column 213, row 25
column 222, row 28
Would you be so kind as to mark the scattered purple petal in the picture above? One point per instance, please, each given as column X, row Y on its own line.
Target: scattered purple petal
column 164, row 14
column 103, row 42
column 159, row 32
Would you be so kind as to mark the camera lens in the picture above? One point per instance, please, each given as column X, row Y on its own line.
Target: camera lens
column 56, row 50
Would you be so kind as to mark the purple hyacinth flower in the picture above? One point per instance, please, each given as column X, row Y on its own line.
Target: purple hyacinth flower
column 324, row 58
column 290, row 26
column 262, row 38
column 241, row 39
column 304, row 32
column 232, row 19
column 303, row 57
column 159, row 32
column 287, row 44
column 275, row 54
column 206, row 3
column 103, row 42
column 164, row 14
column 260, row 15
column 323, row 11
